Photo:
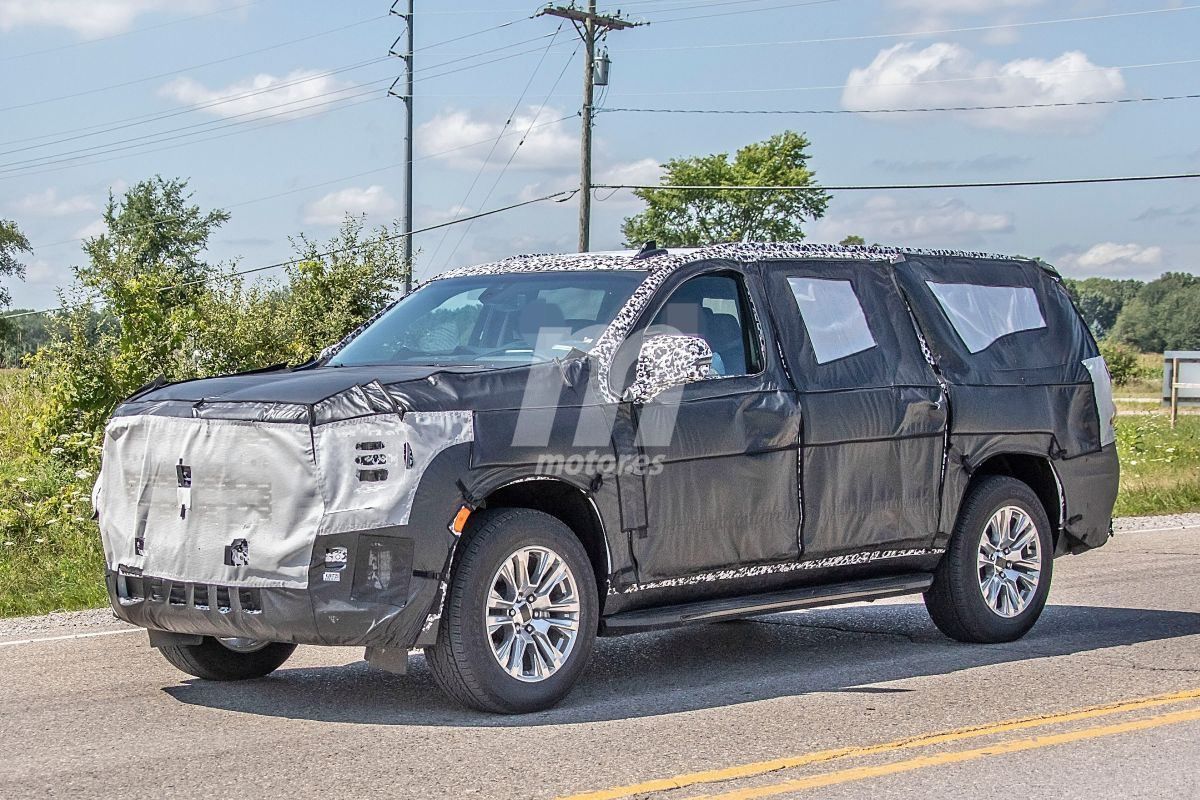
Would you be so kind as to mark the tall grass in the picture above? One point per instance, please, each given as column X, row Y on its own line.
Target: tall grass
column 50, row 555
column 1160, row 467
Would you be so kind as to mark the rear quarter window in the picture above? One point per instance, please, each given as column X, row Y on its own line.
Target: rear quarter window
column 982, row 314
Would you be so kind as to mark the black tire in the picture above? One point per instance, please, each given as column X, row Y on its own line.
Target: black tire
column 955, row 600
column 213, row 661
column 462, row 661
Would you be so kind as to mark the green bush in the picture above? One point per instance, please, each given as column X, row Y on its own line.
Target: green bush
column 1123, row 363
column 146, row 305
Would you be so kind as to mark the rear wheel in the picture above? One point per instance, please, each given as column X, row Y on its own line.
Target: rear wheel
column 521, row 615
column 993, row 582
column 232, row 659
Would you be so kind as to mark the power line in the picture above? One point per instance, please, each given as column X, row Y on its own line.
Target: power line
column 907, row 34
column 902, row 186
column 285, row 118
column 19, row 167
column 932, row 81
column 254, row 93
column 513, row 154
column 145, row 79
column 225, row 206
column 233, row 98
column 508, row 121
column 561, row 196
column 932, row 109
column 130, row 32
column 742, row 11
column 154, row 138
column 294, row 115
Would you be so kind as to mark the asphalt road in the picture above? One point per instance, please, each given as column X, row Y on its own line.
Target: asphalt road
column 1102, row 699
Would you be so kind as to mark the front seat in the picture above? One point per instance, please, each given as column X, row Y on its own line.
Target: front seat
column 724, row 335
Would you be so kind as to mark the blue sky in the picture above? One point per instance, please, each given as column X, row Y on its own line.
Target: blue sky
column 124, row 64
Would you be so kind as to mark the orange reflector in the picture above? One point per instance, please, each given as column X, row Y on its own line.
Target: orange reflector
column 460, row 519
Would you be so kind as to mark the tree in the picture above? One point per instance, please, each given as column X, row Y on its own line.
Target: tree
column 1100, row 300
column 683, row 217
column 12, row 242
column 853, row 241
column 1165, row 315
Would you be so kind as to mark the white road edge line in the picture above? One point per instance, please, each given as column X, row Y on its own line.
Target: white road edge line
column 70, row 636
column 1155, row 530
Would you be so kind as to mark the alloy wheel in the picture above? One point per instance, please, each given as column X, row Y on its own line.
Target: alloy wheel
column 532, row 614
column 1010, row 561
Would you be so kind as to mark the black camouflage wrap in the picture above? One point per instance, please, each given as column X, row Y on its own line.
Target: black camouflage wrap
column 800, row 474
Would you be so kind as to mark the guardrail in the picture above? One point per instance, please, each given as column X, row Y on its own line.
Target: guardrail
column 1176, row 385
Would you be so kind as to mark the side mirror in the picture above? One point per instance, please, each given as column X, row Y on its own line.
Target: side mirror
column 666, row 361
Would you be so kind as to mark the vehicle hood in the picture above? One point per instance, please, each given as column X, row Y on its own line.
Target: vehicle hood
column 316, row 395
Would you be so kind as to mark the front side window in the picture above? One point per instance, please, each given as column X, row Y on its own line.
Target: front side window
column 494, row 320
column 982, row 314
column 716, row 309
column 832, row 316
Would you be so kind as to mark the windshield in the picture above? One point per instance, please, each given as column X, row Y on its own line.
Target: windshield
column 494, row 320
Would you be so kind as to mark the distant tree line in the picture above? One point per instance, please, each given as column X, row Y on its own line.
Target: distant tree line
column 1163, row 314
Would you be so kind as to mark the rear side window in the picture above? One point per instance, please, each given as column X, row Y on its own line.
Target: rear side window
column 982, row 314
column 832, row 316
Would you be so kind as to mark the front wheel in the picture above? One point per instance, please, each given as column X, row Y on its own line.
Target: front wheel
column 993, row 582
column 233, row 659
column 521, row 615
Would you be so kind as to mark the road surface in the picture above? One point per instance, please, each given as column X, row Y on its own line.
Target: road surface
column 1102, row 699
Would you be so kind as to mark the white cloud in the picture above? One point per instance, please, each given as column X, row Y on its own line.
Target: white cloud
column 945, row 74
column 49, row 204
column 1114, row 260
column 548, row 146
column 42, row 273
column 90, row 18
column 91, row 230
column 888, row 221
column 333, row 207
column 642, row 171
column 292, row 94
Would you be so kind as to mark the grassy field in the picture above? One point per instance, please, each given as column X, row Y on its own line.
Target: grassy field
column 50, row 557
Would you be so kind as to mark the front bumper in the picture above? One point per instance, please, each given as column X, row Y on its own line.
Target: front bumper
column 371, row 598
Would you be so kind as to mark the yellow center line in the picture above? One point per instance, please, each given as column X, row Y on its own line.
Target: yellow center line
column 941, row 759
column 923, row 740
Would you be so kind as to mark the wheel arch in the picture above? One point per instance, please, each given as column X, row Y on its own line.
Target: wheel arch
column 1035, row 471
column 569, row 504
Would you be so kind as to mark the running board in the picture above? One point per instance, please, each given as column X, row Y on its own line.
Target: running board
column 752, row 605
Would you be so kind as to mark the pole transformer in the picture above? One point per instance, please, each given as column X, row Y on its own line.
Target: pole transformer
column 406, row 55
column 591, row 27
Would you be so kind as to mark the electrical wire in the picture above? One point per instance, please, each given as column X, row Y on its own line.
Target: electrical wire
column 932, row 109
column 741, row 11
column 52, row 161
column 226, row 59
column 225, row 206
column 932, row 81
column 232, row 98
column 284, row 118
column 508, row 121
column 908, row 34
column 132, row 32
column 20, row 167
column 513, row 154
column 561, row 196
column 904, row 186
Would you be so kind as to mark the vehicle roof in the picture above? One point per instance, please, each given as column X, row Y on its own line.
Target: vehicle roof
column 673, row 258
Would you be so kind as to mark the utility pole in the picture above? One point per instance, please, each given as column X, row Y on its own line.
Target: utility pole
column 407, row 57
column 591, row 27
